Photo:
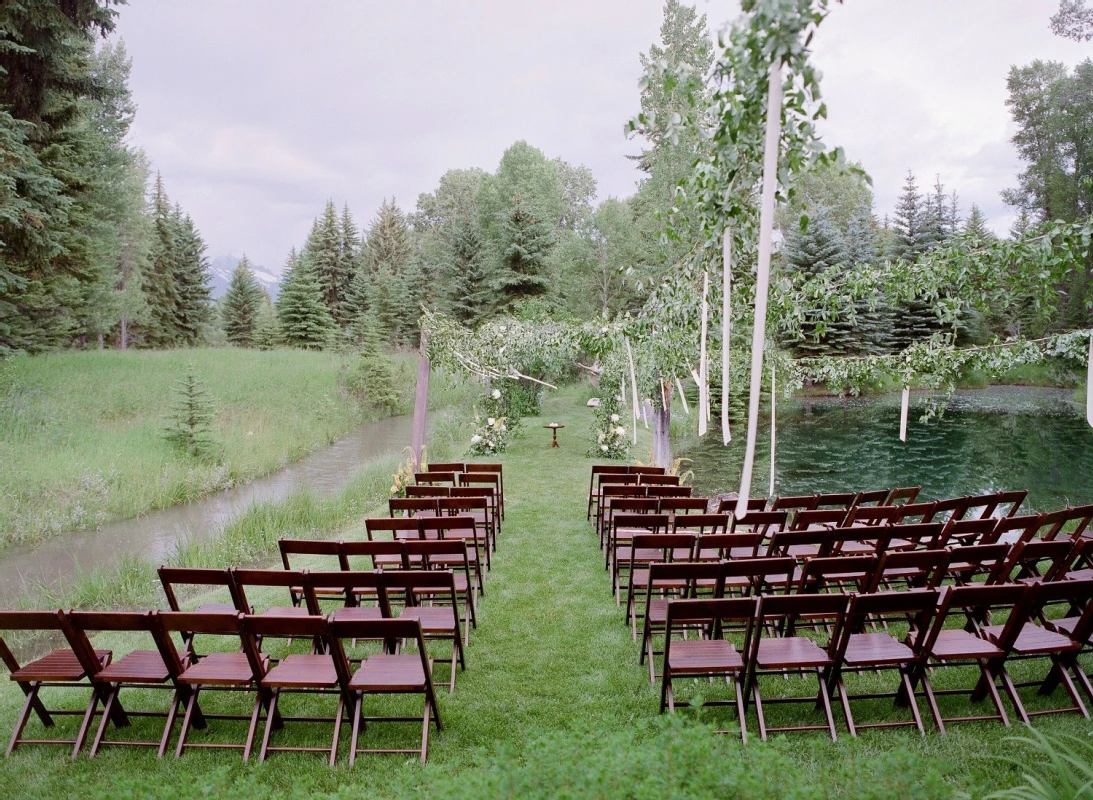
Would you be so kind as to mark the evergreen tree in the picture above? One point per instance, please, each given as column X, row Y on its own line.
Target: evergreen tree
column 302, row 313
column 161, row 291
column 326, row 255
column 191, row 278
column 242, row 305
column 975, row 227
column 911, row 222
column 377, row 379
column 393, row 277
column 192, row 413
column 463, row 274
column 526, row 244
column 873, row 333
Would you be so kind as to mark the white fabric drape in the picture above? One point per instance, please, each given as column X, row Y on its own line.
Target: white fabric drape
column 762, row 277
column 903, row 408
column 703, row 361
column 726, row 330
column 633, row 388
column 1089, row 385
column 682, row 397
column 773, row 437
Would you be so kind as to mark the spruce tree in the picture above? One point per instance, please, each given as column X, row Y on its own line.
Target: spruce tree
column 873, row 333
column 525, row 245
column 194, row 309
column 302, row 313
column 975, row 227
column 463, row 274
column 161, row 290
column 393, row 281
column 324, row 252
column 377, row 379
column 911, row 218
column 242, row 305
column 267, row 333
column 192, row 414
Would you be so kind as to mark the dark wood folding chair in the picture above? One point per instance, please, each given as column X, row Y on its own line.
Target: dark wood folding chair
column 968, row 563
column 240, row 671
column 433, row 478
column 170, row 577
column 875, row 497
column 493, row 504
column 1078, row 625
column 63, row 667
column 414, row 506
column 146, row 669
column 795, row 504
column 835, row 574
column 397, row 528
column 713, row 546
column 767, row 523
column 710, row 657
column 495, row 469
column 1080, row 566
column 758, row 576
column 1035, row 561
column 646, row 549
column 448, row 554
column 964, row 532
column 608, row 492
column 1011, row 530
column 624, row 527
column 776, row 647
column 292, row 580
column 600, row 473
column 916, row 536
column 914, row 513
column 872, row 540
column 447, row 466
column 902, row 495
column 669, row 491
column 381, row 554
column 440, row 620
column 843, row 500
column 463, row 529
column 818, row 519
column 969, row 646
column 428, row 490
column 659, row 480
column 700, row 524
column 727, row 505
column 626, row 505
column 479, row 509
column 1082, row 518
column 644, row 470
column 682, row 506
column 996, row 504
column 869, row 516
column 353, row 585
column 858, row 651
column 1060, row 646
column 313, row 673
column 323, row 554
column 389, row 672
column 949, row 509
column 914, row 569
column 800, row 544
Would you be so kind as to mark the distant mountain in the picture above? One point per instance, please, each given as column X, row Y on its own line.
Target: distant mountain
column 221, row 268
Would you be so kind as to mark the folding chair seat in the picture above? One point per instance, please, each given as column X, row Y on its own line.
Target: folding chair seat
column 1033, row 561
column 711, row 657
column 389, row 672
column 495, row 469
column 449, row 554
column 968, row 645
column 414, row 506
column 967, row 563
column 858, row 651
column 964, row 532
column 835, row 574
column 438, row 622
column 902, row 495
column 170, row 577
column 428, row 490
column 915, row 569
column 63, row 667
column 298, row 674
column 1060, row 646
column 599, row 474
column 433, row 478
column 772, row 654
column 647, row 549
column 238, row 671
column 157, row 668
column 326, row 553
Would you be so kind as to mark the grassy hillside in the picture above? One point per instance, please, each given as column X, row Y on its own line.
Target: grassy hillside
column 81, row 433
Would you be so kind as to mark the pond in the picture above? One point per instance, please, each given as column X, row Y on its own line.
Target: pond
column 1002, row 437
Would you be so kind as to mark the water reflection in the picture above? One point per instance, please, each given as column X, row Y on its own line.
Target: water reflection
column 989, row 439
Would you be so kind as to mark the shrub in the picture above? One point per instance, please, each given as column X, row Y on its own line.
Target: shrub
column 192, row 412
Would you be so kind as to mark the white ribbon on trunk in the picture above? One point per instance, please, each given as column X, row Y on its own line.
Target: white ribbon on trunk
column 762, row 277
column 903, row 408
column 726, row 330
column 703, row 361
column 682, row 396
column 633, row 387
column 1089, row 384
column 773, row 438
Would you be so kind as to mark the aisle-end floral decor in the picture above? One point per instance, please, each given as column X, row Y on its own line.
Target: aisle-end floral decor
column 491, row 429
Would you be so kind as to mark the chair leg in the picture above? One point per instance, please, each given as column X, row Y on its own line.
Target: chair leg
column 909, row 691
column 85, row 725
column 759, row 711
column 826, row 700
column 101, row 732
column 187, row 719
column 24, row 717
column 337, row 730
column 931, row 701
column 425, row 731
column 248, row 746
column 844, row 700
column 269, row 725
column 455, row 649
column 169, row 724
column 740, row 712
column 356, row 729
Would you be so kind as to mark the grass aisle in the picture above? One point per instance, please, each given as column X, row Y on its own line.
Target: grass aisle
column 553, row 703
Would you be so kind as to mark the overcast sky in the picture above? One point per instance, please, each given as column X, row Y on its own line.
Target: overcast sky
column 257, row 111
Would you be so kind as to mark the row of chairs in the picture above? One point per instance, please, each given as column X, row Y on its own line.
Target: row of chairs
column 741, row 639
column 457, row 474
column 327, row 670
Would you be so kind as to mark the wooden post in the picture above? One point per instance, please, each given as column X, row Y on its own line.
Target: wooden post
column 662, row 425
column 421, row 407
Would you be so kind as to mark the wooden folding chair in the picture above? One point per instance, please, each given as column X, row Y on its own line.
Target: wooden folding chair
column 414, row 506
column 719, row 546
column 646, row 549
column 449, row 554
column 727, row 505
column 292, row 580
column 608, row 492
column 858, row 651
column 440, row 620
column 390, row 672
column 479, row 509
column 353, row 585
column 63, row 667
column 876, row 497
column 800, row 544
column 381, row 554
column 835, row 573
column 902, row 495
column 599, row 473
column 1035, row 561
column 843, row 500
column 964, row 532
column 624, row 527
column 626, row 505
column 448, row 466
column 968, row 563
column 774, row 654
column 681, row 506
column 668, row 491
column 398, row 529
column 240, row 671
column 643, row 470
column 916, row 536
column 794, row 504
column 818, row 519
column 914, row 513
column 427, row 490
column 950, row 509
column 491, row 468
column 170, row 577
column 767, row 523
column 313, row 673
column 146, row 669
column 968, row 645
column 327, row 554
column 433, row 478
column 871, row 516
column 711, row 657
column 1005, row 504
column 1011, row 530
column 463, row 529
column 493, row 504
column 659, row 480
column 915, row 569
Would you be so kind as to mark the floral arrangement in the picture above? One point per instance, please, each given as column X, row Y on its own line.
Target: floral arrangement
column 611, row 438
column 491, row 434
column 404, row 475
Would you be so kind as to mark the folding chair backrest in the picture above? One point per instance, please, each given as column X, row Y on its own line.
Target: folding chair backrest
column 984, row 558
column 977, row 602
column 764, row 574
column 1010, row 502
column 875, row 497
column 1075, row 595
column 669, row 491
column 461, row 506
column 448, row 466
column 817, row 573
column 393, row 527
column 927, row 568
column 190, row 623
column 1017, row 529
column 872, row 515
column 691, row 573
column 289, row 579
column 636, row 470
column 963, row 532
column 352, row 583
column 919, row 606
column 669, row 544
column 901, row 495
column 804, row 502
column 649, row 523
column 914, row 512
column 428, row 548
column 1082, row 517
column 842, row 500
column 635, row 505
column 791, row 607
column 1026, row 559
column 875, row 537
column 170, row 577
column 412, row 506
column 490, row 479
column 730, row 545
column 445, row 527
column 923, row 535
column 330, row 551
column 781, row 541
column 681, row 505
column 260, row 625
column 701, row 524
column 818, row 518
column 727, row 505
column 482, row 466
column 89, row 622
column 387, row 630
column 52, row 621
column 659, row 480
column 435, row 478
column 950, row 509
column 765, row 522
column 372, row 548
column 428, row 491
column 714, row 612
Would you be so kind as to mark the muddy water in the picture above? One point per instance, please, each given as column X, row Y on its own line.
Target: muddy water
column 154, row 536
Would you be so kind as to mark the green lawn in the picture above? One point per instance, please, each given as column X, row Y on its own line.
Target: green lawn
column 554, row 703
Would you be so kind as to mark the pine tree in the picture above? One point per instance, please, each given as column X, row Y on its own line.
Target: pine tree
column 324, row 252
column 302, row 313
column 267, row 333
column 818, row 249
column 911, row 218
column 192, row 413
column 463, row 274
column 393, row 282
column 242, row 305
column 975, row 227
column 873, row 333
column 377, row 379
column 194, row 310
column 161, row 291
column 526, row 243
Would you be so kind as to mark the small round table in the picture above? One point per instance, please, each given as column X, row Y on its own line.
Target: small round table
column 554, row 426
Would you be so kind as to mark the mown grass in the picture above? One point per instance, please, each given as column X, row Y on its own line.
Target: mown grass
column 554, row 703
column 81, row 433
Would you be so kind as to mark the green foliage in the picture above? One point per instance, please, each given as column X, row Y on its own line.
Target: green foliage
column 1060, row 768
column 242, row 305
column 491, row 427
column 192, row 415
column 393, row 285
column 525, row 245
column 610, row 431
column 302, row 313
column 375, row 377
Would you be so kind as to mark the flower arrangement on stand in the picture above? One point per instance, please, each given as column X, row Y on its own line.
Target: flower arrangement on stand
column 610, row 435
column 491, row 434
column 404, row 475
